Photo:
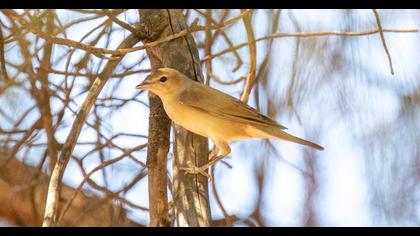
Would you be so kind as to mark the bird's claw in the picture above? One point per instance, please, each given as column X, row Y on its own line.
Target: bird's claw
column 191, row 169
column 194, row 170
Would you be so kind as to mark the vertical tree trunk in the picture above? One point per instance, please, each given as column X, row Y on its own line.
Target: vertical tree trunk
column 191, row 205
column 158, row 136
column 157, row 151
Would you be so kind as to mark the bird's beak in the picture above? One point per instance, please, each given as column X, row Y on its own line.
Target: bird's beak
column 143, row 85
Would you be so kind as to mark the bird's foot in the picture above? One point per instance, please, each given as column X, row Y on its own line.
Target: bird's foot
column 194, row 170
column 191, row 169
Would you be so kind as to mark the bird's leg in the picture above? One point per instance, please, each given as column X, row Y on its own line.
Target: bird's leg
column 213, row 153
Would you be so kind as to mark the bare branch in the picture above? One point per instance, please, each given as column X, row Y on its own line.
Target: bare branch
column 101, row 166
column 381, row 33
column 252, row 57
column 308, row 34
column 119, row 52
column 51, row 209
column 2, row 60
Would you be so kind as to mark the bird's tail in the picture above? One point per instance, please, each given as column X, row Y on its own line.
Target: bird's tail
column 280, row 134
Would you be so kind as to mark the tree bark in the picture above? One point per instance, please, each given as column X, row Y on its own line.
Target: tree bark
column 190, row 192
column 158, row 135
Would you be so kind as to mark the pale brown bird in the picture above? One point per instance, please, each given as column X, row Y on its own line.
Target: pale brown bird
column 211, row 113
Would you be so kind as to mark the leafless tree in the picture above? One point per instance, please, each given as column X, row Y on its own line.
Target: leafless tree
column 64, row 79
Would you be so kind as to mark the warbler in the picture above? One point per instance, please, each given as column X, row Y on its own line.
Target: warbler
column 211, row 113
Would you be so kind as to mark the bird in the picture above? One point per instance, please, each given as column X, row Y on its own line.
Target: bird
column 213, row 114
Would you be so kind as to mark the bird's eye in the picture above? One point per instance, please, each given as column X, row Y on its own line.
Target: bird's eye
column 163, row 79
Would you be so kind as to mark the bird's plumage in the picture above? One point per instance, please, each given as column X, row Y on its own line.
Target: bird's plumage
column 219, row 104
column 211, row 113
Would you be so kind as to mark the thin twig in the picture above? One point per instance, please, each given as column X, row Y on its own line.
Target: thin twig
column 43, row 97
column 378, row 21
column 124, row 25
column 2, row 59
column 26, row 135
column 252, row 56
column 235, row 81
column 115, row 75
column 227, row 39
column 88, row 175
column 208, row 43
column 228, row 218
column 51, row 208
column 119, row 52
column 308, row 34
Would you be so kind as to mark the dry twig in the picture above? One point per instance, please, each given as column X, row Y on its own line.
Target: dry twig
column 381, row 33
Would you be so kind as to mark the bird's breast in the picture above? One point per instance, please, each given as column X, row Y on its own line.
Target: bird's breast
column 205, row 124
column 187, row 117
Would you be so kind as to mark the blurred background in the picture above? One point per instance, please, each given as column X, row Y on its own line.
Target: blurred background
column 336, row 90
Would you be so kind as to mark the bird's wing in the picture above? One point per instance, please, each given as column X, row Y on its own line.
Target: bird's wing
column 216, row 103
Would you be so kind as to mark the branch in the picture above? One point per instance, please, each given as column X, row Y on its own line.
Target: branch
column 308, row 34
column 119, row 52
column 381, row 32
column 43, row 94
column 228, row 220
column 208, row 44
column 227, row 39
column 51, row 209
column 141, row 34
column 2, row 60
column 158, row 130
column 252, row 57
column 16, row 147
column 88, row 175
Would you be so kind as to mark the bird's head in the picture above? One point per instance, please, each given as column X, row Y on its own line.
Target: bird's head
column 163, row 81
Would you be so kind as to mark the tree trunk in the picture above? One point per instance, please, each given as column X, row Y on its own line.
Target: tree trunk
column 190, row 192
